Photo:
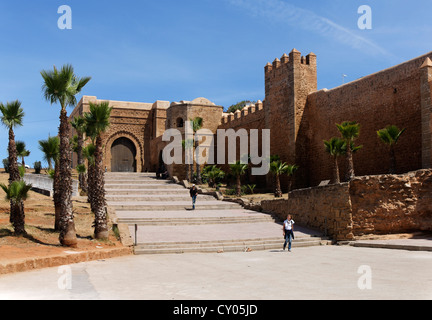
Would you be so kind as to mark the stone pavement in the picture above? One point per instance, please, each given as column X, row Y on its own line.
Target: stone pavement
column 318, row 272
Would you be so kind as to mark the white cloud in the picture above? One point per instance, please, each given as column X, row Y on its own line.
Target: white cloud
column 279, row 11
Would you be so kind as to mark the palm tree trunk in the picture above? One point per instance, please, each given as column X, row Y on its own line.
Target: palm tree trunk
column 350, row 172
column 67, row 235
column 90, row 184
column 13, row 165
column 80, row 160
column 238, row 186
column 278, row 192
column 101, row 224
column 56, row 196
column 336, row 176
column 198, row 168
column 14, row 175
column 19, row 218
column 290, row 183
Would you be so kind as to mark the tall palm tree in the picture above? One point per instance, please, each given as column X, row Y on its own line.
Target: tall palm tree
column 335, row 147
column 61, row 86
column 22, row 151
column 12, row 117
column 390, row 135
column 98, row 120
column 238, row 169
column 349, row 130
column 17, row 193
column 197, row 124
column 78, row 123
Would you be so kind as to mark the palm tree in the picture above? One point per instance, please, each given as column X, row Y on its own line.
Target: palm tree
column 21, row 151
column 291, row 169
column 197, row 123
column 17, row 193
column 349, row 130
column 88, row 153
column 335, row 147
column 213, row 174
column 78, row 123
column 278, row 168
column 50, row 149
column 390, row 135
column 238, row 169
column 12, row 116
column 61, row 86
column 98, row 120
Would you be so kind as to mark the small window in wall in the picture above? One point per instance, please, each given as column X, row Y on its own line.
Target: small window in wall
column 179, row 123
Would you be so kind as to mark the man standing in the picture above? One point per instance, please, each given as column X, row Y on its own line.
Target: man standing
column 288, row 232
column 193, row 193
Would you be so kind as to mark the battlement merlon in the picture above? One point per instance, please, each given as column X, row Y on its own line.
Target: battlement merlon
column 294, row 57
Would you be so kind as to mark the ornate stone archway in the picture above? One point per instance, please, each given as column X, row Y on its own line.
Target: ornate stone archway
column 129, row 136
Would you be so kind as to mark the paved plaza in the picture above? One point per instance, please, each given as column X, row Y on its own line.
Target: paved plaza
column 318, row 272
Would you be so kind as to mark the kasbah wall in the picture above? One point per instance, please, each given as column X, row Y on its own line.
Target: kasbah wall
column 300, row 118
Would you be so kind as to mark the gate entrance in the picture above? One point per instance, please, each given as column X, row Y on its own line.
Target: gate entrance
column 123, row 156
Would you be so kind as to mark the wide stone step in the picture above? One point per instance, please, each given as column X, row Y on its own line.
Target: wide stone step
column 149, row 186
column 139, row 182
column 224, row 245
column 171, row 205
column 139, row 192
column 195, row 220
column 131, row 174
column 157, row 197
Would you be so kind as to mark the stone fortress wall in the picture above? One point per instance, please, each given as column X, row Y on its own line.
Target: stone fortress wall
column 299, row 117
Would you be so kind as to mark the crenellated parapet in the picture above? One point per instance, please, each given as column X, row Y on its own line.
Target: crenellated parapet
column 294, row 58
column 242, row 115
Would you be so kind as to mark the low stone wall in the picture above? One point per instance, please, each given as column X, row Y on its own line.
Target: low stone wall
column 392, row 203
column 326, row 208
column 44, row 184
column 379, row 204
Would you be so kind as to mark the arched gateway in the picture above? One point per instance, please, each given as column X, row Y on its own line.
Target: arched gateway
column 123, row 155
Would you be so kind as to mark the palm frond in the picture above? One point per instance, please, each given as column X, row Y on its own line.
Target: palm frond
column 12, row 114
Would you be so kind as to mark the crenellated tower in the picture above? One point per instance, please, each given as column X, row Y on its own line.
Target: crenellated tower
column 288, row 82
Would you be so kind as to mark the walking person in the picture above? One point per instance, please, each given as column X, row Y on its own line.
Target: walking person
column 288, row 232
column 193, row 193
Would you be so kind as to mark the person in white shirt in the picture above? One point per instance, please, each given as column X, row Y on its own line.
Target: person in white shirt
column 288, row 232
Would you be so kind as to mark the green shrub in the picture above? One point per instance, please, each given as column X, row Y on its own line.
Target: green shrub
column 38, row 167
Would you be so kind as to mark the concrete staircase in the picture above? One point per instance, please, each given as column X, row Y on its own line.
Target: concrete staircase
column 161, row 220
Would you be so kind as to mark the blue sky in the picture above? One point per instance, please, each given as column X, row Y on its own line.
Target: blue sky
column 180, row 50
